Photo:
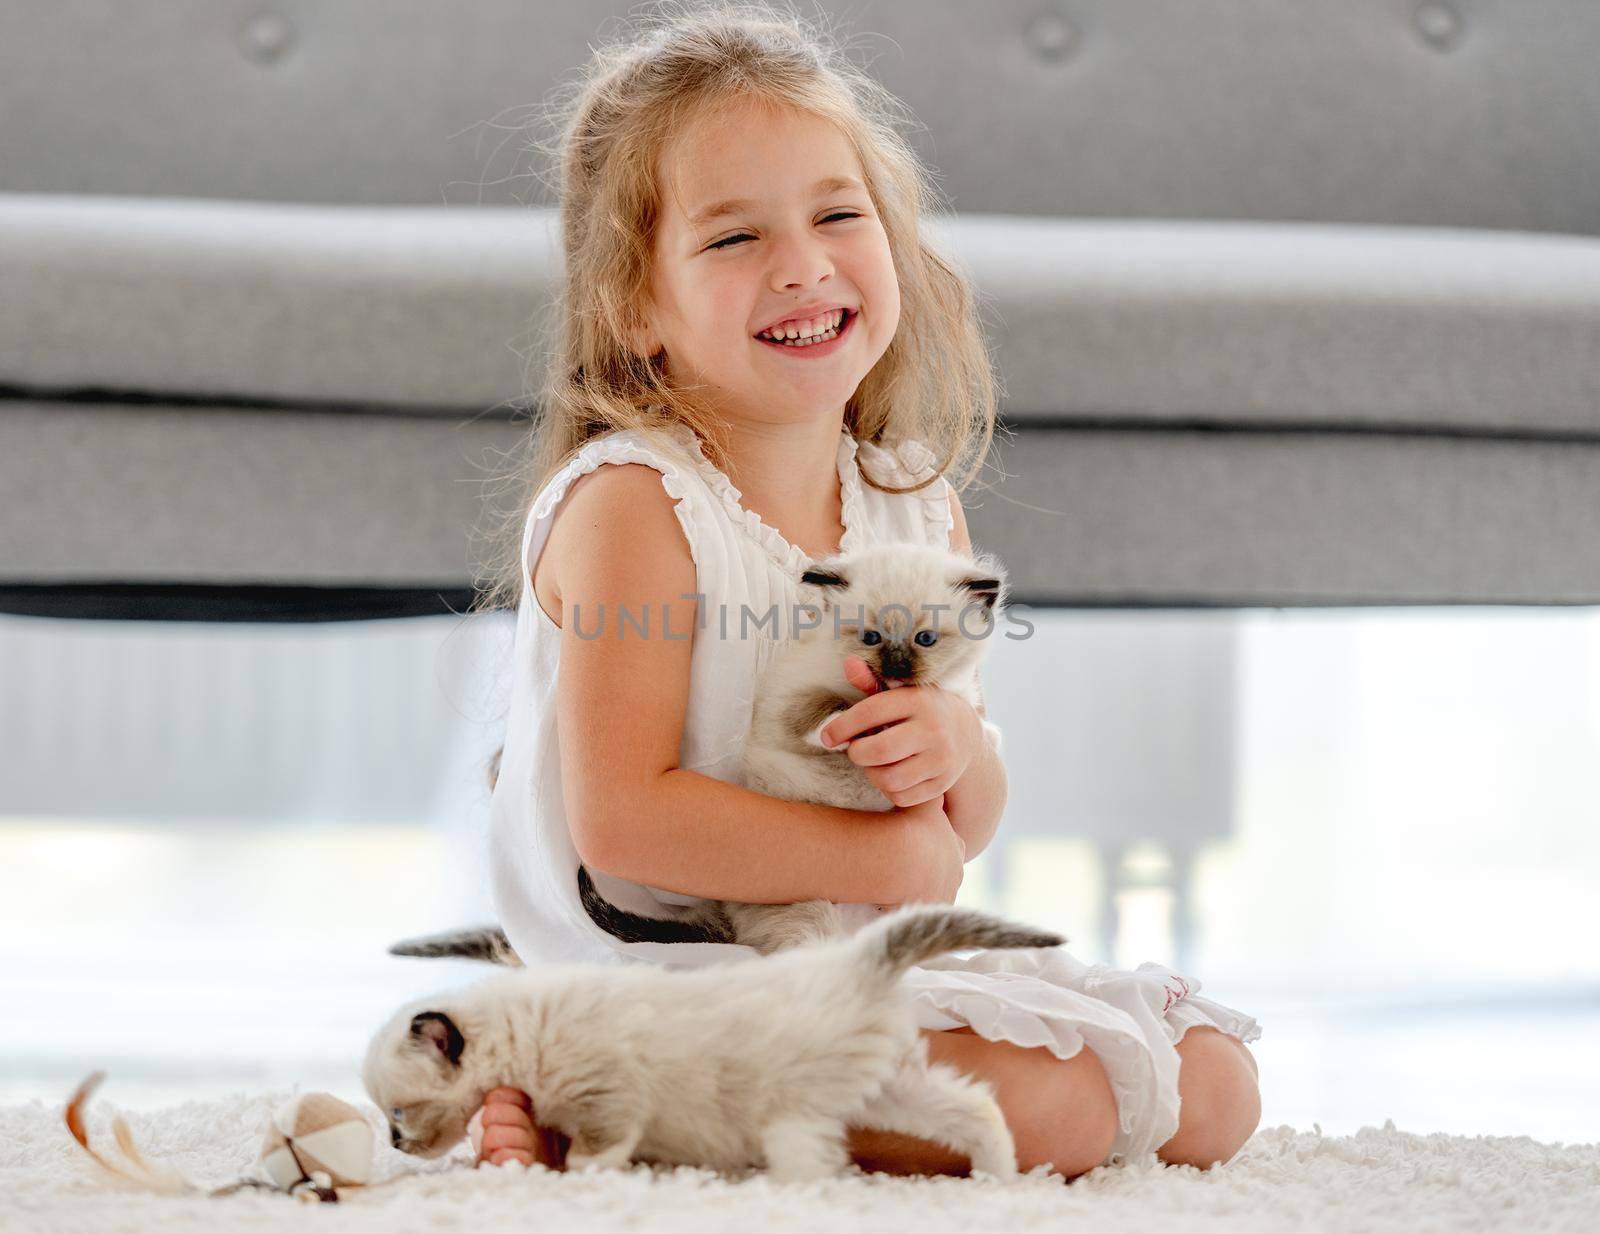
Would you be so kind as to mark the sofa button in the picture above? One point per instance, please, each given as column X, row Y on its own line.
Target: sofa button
column 1050, row 36
column 1438, row 23
column 267, row 36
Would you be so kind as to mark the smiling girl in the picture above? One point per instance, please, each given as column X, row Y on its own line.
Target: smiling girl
column 764, row 361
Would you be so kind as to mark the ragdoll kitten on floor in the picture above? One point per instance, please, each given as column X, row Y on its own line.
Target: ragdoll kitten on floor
column 918, row 615
column 705, row 1067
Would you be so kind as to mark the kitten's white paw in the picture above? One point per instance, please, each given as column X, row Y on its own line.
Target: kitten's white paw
column 803, row 1150
column 999, row 1169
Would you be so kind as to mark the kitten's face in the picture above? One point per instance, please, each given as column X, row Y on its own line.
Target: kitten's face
column 413, row 1073
column 915, row 614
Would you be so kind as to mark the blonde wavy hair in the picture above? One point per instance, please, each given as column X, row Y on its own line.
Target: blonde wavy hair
column 677, row 63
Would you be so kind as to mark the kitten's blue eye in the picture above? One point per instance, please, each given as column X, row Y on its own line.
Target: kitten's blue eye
column 871, row 638
column 926, row 638
column 397, row 1114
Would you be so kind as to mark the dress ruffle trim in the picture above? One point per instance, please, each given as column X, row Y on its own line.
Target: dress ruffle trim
column 791, row 558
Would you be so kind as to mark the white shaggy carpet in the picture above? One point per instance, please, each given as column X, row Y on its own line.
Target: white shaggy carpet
column 1376, row 1180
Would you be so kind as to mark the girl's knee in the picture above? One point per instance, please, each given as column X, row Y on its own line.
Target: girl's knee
column 1076, row 1115
column 1219, row 1100
column 1061, row 1112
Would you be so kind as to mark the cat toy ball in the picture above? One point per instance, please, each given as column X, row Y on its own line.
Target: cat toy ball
column 316, row 1136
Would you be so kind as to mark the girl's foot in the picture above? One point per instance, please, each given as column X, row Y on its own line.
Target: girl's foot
column 504, row 1130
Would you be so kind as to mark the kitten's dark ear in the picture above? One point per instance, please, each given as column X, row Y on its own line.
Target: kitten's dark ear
column 825, row 578
column 439, row 1031
column 982, row 588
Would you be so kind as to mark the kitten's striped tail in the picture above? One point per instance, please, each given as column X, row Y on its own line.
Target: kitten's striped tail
column 477, row 943
column 703, row 924
column 922, row 931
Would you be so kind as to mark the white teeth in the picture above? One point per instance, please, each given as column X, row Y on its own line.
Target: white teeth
column 810, row 328
column 813, row 340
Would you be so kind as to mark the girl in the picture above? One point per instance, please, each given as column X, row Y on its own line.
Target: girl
column 763, row 362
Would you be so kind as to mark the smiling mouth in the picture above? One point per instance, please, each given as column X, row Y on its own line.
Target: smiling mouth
column 845, row 322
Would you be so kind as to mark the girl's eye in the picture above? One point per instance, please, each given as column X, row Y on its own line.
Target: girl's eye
column 727, row 240
column 926, row 638
column 871, row 638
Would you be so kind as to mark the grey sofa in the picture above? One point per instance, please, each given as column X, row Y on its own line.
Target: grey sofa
column 1296, row 302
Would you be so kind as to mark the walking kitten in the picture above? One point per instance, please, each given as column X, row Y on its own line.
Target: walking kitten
column 701, row 1067
column 918, row 615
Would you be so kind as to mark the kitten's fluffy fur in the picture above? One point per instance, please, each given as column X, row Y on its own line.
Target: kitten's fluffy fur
column 895, row 594
column 704, row 1067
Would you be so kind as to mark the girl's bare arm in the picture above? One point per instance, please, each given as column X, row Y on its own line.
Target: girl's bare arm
column 976, row 801
column 633, row 811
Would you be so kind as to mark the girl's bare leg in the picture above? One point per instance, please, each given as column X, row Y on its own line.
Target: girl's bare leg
column 1219, row 1099
column 1060, row 1111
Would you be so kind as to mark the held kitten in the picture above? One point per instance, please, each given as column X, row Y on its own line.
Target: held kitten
column 696, row 1068
column 918, row 616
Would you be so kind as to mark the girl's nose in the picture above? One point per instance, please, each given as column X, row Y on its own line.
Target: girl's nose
column 800, row 263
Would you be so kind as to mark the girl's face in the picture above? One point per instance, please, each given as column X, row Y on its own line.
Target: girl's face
column 796, row 238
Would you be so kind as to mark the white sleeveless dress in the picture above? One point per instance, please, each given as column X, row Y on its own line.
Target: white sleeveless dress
column 1131, row 1019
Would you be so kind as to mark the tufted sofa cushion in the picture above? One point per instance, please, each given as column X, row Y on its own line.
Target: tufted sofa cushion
column 1094, row 320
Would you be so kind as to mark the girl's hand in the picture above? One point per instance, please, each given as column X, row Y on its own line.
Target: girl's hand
column 912, row 742
column 504, row 1130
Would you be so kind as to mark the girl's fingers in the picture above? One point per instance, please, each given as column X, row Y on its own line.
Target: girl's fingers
column 502, row 1115
column 907, row 773
column 859, row 675
column 503, row 1155
column 892, row 745
column 878, row 711
column 928, row 790
column 496, row 1138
